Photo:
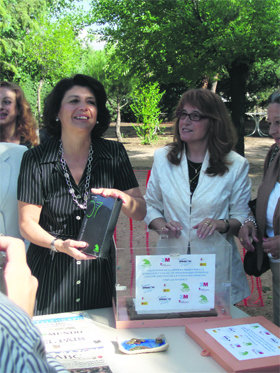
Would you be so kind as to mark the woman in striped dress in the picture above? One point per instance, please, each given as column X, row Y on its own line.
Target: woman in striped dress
column 54, row 182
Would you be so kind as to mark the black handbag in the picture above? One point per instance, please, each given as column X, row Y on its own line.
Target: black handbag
column 250, row 264
column 250, row 258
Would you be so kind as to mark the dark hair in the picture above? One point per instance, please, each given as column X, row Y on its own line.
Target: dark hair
column 53, row 103
column 25, row 122
column 274, row 98
column 221, row 133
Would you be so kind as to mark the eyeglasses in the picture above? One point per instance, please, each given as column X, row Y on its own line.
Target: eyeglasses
column 194, row 116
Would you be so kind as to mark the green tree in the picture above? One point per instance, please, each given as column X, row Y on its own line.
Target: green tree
column 146, row 108
column 51, row 51
column 184, row 42
column 118, row 81
column 17, row 18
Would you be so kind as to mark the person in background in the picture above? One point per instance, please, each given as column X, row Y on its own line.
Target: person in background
column 198, row 184
column 21, row 345
column 10, row 159
column 17, row 124
column 72, row 162
column 264, row 230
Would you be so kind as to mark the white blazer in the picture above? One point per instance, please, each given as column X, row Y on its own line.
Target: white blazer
column 10, row 160
column 220, row 197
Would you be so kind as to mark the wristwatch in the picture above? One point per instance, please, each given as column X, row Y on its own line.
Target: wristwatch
column 52, row 247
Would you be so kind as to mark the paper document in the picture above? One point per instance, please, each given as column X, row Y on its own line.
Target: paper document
column 74, row 341
column 179, row 283
column 248, row 341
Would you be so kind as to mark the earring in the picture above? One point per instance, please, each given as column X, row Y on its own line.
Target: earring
column 57, row 119
column 97, row 122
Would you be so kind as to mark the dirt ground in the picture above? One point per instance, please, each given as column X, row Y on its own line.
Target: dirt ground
column 141, row 157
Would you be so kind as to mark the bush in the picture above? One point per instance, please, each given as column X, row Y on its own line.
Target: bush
column 146, row 109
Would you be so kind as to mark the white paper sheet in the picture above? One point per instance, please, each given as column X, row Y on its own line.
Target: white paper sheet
column 248, row 341
column 73, row 340
column 179, row 283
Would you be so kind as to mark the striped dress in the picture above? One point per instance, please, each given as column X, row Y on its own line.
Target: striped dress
column 66, row 284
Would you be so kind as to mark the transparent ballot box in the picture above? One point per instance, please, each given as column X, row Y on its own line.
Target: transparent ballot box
column 168, row 282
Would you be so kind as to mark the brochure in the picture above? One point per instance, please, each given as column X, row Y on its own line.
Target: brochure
column 247, row 341
column 74, row 341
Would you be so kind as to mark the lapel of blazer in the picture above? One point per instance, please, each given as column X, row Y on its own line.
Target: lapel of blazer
column 271, row 175
column 5, row 174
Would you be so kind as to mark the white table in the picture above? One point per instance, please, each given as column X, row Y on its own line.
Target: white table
column 258, row 117
column 183, row 355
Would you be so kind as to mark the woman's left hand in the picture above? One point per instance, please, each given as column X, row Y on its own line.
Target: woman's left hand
column 109, row 192
column 134, row 205
column 207, row 227
column 271, row 246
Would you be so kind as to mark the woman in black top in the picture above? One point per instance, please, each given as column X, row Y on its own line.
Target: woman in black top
column 54, row 183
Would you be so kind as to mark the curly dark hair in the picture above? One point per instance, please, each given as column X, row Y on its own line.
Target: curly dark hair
column 26, row 124
column 54, row 99
column 221, row 136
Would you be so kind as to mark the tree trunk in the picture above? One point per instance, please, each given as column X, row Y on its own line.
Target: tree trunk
column 215, row 83
column 238, row 73
column 118, row 122
column 41, row 82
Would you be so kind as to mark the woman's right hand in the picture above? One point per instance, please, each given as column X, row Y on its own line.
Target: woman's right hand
column 247, row 234
column 172, row 229
column 73, row 248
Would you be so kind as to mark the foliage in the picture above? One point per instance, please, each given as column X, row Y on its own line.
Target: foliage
column 180, row 39
column 52, row 50
column 184, row 42
column 38, row 45
column 118, row 81
column 264, row 79
column 29, row 87
column 93, row 64
column 17, row 18
column 147, row 111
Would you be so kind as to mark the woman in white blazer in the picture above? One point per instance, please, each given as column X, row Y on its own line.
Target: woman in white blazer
column 17, row 129
column 10, row 160
column 198, row 184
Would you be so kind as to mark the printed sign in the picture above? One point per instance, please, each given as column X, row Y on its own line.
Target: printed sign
column 179, row 283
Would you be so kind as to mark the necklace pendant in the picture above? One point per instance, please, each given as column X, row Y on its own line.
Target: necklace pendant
column 71, row 190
